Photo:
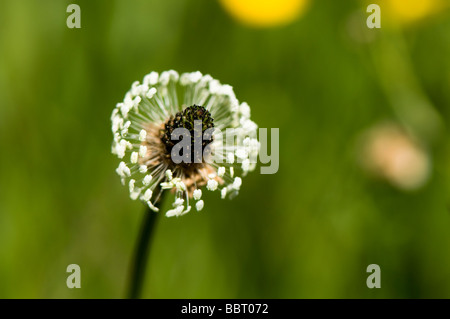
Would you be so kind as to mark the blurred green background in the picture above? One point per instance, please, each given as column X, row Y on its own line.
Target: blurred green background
column 308, row 231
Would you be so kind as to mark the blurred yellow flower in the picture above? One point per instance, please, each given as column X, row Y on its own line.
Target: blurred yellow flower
column 265, row 13
column 408, row 11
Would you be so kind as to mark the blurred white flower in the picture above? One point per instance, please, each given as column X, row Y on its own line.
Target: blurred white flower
column 389, row 152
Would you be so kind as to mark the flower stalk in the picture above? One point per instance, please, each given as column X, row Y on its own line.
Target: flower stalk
column 141, row 252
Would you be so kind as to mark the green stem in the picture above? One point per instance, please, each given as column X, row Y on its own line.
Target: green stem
column 140, row 257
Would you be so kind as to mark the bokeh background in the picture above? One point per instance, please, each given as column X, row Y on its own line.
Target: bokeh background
column 312, row 69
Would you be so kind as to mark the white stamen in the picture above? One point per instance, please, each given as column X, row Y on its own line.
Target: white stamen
column 134, row 88
column 245, row 165
column 136, row 101
column 151, row 93
column 142, row 135
column 152, row 207
column 195, row 76
column 237, row 183
column 178, row 202
column 120, row 150
column 147, row 179
column 188, row 209
column 120, row 168
column 214, row 86
column 212, row 185
column 117, row 123
column 180, row 185
column 143, row 169
column 123, row 170
column 221, row 171
column 244, row 109
column 126, row 126
column 164, row 78
column 249, row 126
column 199, row 205
column 223, row 192
column 230, row 158
column 124, row 109
column 151, row 79
column 169, row 175
column 134, row 157
column 135, row 194
column 175, row 212
column 142, row 151
column 165, row 185
column 131, row 185
column 147, row 195
column 197, row 194
column 127, row 171
column 241, row 153
column 228, row 91
column 173, row 75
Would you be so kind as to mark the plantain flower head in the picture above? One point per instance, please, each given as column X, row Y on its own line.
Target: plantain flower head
column 185, row 134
